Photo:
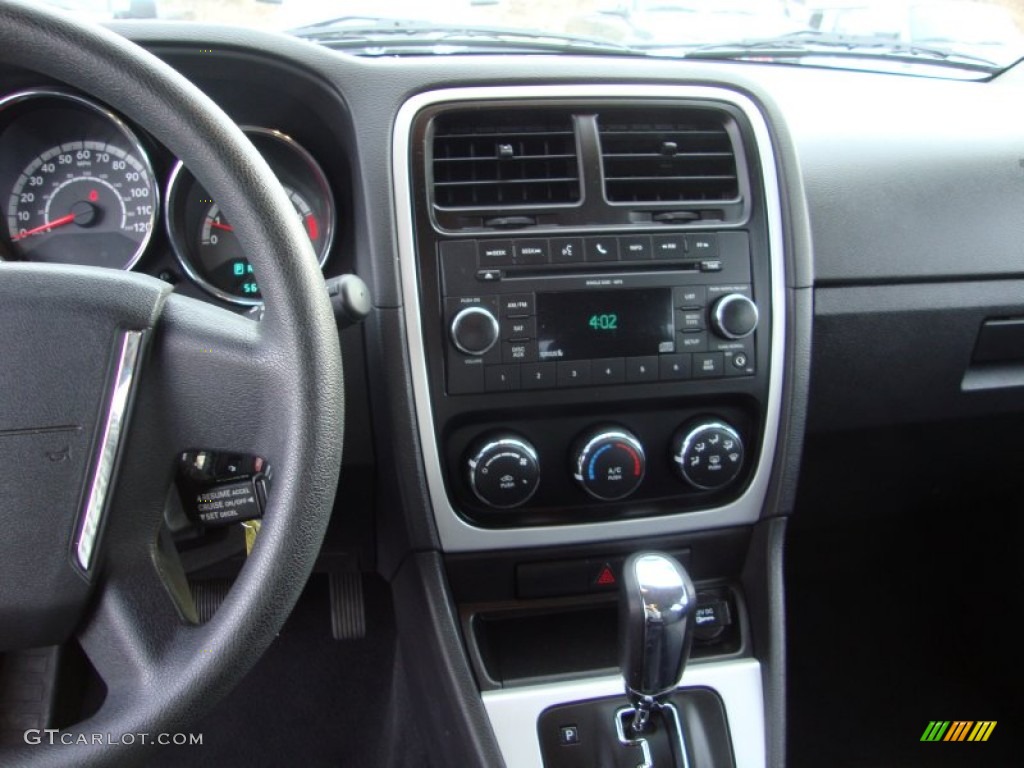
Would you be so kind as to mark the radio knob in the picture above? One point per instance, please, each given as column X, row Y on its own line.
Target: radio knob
column 474, row 330
column 503, row 471
column 708, row 455
column 734, row 316
column 609, row 463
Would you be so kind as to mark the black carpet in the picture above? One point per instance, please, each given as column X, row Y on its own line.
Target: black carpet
column 315, row 702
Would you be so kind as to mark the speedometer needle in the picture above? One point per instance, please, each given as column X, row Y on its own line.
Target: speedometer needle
column 225, row 227
column 45, row 227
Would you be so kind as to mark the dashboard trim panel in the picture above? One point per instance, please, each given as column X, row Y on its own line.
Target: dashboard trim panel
column 456, row 534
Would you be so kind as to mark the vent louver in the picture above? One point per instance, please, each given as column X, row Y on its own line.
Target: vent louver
column 667, row 155
column 505, row 159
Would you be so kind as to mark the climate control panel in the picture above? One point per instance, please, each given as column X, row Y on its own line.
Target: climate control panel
column 565, row 469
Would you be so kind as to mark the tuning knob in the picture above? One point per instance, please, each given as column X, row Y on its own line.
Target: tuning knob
column 474, row 330
column 609, row 463
column 708, row 455
column 734, row 316
column 503, row 471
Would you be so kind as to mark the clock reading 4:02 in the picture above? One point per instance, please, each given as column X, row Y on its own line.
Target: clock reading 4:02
column 604, row 322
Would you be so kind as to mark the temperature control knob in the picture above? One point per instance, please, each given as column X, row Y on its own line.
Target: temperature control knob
column 503, row 471
column 474, row 330
column 734, row 316
column 708, row 455
column 609, row 463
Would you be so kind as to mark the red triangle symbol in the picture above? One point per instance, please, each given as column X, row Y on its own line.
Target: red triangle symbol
column 605, row 577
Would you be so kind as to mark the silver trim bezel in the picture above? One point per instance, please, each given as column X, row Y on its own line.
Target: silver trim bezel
column 455, row 533
column 178, row 239
column 135, row 145
column 513, row 712
column 106, row 459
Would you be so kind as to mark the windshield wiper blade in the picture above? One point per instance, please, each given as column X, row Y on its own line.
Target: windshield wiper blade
column 368, row 31
column 807, row 44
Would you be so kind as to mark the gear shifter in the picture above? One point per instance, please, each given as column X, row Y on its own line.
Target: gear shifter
column 657, row 601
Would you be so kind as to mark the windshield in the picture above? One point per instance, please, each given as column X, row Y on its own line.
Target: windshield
column 985, row 32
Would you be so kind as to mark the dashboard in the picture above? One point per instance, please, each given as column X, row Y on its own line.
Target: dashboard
column 565, row 362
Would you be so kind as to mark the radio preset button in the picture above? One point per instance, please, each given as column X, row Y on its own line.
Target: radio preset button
column 531, row 252
column 669, row 247
column 708, row 365
column 640, row 369
column 573, row 373
column 674, row 367
column 501, row 378
column 635, row 248
column 494, row 253
column 537, row 375
column 602, row 248
column 609, row 370
column 567, row 250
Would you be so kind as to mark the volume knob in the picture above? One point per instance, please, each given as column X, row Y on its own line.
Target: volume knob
column 734, row 316
column 474, row 330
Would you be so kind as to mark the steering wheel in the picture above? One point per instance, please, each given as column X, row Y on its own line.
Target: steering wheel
column 106, row 377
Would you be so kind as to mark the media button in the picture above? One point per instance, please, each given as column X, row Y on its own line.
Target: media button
column 674, row 367
column 704, row 246
column 639, row 369
column 708, row 365
column 519, row 328
column 518, row 351
column 637, row 248
column 602, row 248
column 530, row 252
column 537, row 375
column 690, row 296
column 573, row 373
column 669, row 247
column 494, row 253
column 517, row 305
column 609, row 370
column 689, row 321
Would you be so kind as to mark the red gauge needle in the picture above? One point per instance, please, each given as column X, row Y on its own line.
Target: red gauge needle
column 45, row 227
column 225, row 227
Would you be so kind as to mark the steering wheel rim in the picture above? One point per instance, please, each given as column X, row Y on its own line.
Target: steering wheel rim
column 211, row 368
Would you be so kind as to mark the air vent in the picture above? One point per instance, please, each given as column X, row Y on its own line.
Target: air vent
column 505, row 159
column 667, row 155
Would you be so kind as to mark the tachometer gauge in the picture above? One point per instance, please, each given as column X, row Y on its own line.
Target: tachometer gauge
column 205, row 241
column 77, row 184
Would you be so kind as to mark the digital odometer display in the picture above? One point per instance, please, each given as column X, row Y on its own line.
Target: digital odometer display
column 581, row 325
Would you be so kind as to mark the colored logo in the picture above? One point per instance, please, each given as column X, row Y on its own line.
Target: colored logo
column 958, row 730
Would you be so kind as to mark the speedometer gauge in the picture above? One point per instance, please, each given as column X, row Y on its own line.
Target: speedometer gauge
column 205, row 241
column 79, row 188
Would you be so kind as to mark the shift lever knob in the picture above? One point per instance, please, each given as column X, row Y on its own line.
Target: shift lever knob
column 657, row 600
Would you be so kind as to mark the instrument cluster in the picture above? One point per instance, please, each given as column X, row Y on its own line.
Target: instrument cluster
column 79, row 187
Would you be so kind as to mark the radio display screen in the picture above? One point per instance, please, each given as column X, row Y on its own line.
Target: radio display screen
column 581, row 325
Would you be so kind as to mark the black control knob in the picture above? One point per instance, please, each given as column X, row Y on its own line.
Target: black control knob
column 503, row 471
column 708, row 455
column 474, row 330
column 734, row 316
column 609, row 463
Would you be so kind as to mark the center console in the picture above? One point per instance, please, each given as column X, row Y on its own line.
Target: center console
column 593, row 293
